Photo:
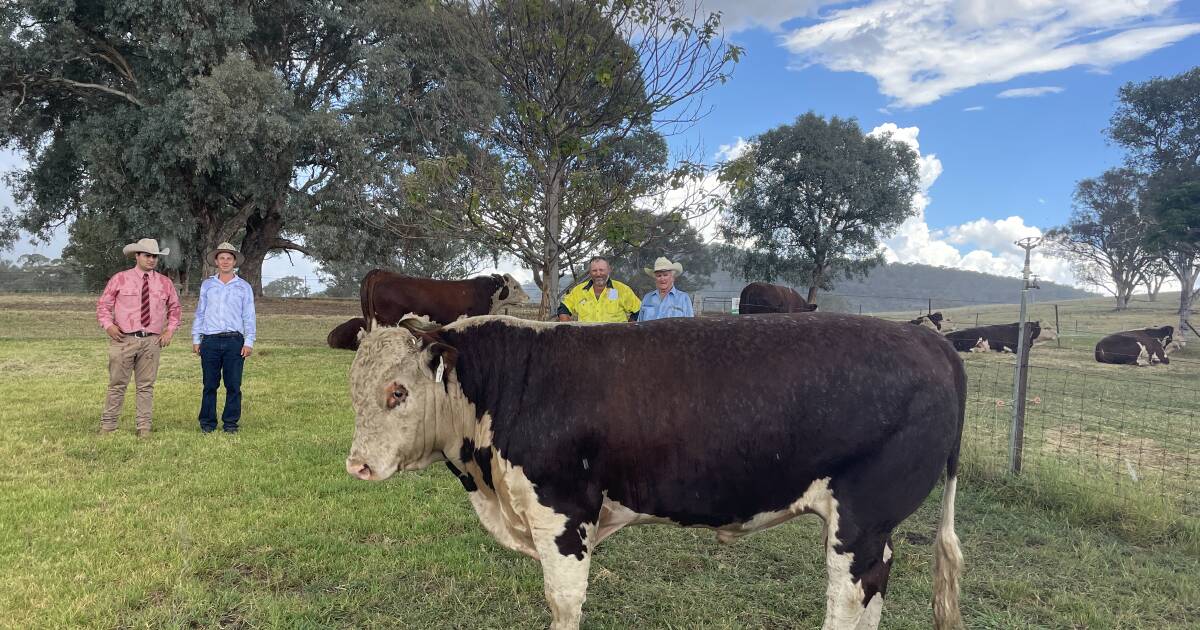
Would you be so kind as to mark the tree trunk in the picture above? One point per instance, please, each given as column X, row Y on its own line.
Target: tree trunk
column 1122, row 299
column 552, row 206
column 812, row 294
column 262, row 231
column 1187, row 295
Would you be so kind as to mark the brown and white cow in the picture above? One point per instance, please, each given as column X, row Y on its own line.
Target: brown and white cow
column 999, row 337
column 783, row 424
column 387, row 297
column 932, row 321
column 345, row 335
column 762, row 297
column 1137, row 347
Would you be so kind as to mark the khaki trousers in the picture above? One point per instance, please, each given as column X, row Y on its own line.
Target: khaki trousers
column 139, row 356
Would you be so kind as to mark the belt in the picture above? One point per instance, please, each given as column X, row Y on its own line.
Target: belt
column 232, row 333
column 141, row 333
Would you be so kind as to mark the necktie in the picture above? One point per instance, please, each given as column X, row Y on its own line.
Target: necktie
column 146, row 301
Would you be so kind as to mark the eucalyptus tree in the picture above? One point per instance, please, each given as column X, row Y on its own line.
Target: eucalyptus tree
column 811, row 200
column 225, row 120
column 590, row 89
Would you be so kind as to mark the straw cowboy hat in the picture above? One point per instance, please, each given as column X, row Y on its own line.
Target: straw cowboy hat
column 224, row 247
column 145, row 246
column 662, row 264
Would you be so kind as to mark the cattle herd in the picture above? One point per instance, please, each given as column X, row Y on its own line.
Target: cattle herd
column 734, row 424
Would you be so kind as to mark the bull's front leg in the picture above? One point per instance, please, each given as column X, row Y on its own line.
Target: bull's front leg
column 565, row 571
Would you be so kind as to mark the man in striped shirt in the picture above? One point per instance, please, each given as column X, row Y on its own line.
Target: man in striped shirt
column 139, row 310
column 223, row 336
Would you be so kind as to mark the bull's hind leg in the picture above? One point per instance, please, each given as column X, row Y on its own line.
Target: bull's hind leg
column 858, row 570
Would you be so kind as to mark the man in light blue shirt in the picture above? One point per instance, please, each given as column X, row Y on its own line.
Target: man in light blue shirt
column 223, row 335
column 665, row 301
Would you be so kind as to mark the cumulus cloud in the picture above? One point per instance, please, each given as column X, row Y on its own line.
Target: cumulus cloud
column 738, row 15
column 922, row 50
column 1029, row 92
column 732, row 151
column 983, row 245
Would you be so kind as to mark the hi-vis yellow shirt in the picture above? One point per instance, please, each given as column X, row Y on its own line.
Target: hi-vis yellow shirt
column 615, row 303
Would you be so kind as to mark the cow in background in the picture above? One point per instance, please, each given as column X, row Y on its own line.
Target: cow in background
column 997, row 338
column 345, row 336
column 387, row 297
column 1137, row 347
column 762, row 297
column 932, row 321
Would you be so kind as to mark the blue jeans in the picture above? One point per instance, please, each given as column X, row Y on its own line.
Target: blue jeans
column 221, row 357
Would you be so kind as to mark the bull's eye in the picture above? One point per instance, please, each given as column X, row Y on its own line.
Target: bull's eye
column 396, row 394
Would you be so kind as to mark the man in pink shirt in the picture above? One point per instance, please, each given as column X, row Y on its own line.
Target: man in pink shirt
column 139, row 310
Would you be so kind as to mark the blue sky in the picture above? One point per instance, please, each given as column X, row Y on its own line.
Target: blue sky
column 1006, row 102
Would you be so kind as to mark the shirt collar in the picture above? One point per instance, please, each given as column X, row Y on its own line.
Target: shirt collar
column 607, row 284
column 217, row 277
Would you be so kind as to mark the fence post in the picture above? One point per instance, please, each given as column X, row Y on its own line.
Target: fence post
column 1057, row 327
column 977, row 320
column 929, row 311
column 1016, row 443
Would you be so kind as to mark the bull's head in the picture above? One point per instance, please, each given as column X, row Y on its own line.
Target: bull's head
column 509, row 292
column 397, row 394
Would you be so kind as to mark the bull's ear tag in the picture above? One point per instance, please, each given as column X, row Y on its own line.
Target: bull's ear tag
column 441, row 370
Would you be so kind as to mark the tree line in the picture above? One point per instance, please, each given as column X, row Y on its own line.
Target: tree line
column 427, row 137
column 1136, row 225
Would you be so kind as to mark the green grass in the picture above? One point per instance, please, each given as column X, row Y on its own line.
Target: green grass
column 265, row 529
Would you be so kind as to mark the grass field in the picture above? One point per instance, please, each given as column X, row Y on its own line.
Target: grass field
column 265, row 530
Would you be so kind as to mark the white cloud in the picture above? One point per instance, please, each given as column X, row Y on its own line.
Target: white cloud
column 922, row 50
column 739, row 15
column 1029, row 92
column 988, row 245
column 727, row 152
column 973, row 108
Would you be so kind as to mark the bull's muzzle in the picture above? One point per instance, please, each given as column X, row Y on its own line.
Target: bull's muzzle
column 358, row 469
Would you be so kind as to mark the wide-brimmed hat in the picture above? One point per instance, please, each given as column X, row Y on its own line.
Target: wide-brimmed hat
column 224, row 247
column 145, row 246
column 662, row 264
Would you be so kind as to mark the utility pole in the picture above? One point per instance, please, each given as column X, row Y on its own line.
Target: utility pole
column 1016, row 442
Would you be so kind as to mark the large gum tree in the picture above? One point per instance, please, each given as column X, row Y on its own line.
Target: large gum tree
column 223, row 120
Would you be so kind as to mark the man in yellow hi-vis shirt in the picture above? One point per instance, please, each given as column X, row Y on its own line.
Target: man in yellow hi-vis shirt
column 600, row 299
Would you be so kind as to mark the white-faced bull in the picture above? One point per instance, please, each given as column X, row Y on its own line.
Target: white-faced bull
column 731, row 424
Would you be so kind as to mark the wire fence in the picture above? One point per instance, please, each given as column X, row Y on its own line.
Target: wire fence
column 1090, row 432
column 1093, row 430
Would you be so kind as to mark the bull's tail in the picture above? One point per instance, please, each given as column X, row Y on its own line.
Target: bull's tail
column 947, row 556
column 947, row 565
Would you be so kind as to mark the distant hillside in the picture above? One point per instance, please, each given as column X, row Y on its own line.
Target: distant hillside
column 904, row 287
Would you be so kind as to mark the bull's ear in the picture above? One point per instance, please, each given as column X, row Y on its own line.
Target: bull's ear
column 441, row 359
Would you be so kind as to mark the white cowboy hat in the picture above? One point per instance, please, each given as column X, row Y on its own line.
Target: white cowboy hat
column 662, row 264
column 224, row 247
column 145, row 246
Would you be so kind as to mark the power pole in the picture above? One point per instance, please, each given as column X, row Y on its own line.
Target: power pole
column 1016, row 442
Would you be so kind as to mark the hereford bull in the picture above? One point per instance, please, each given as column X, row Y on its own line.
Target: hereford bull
column 932, row 321
column 1137, row 347
column 761, row 297
column 387, row 296
column 345, row 335
column 999, row 337
column 735, row 425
